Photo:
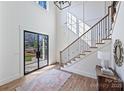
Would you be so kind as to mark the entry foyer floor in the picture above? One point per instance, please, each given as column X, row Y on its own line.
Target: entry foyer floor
column 73, row 83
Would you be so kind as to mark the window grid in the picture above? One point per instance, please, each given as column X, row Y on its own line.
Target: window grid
column 71, row 22
column 75, row 25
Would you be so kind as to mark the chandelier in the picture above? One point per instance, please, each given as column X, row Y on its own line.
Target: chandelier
column 62, row 4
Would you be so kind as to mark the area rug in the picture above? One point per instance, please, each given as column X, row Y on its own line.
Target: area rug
column 49, row 81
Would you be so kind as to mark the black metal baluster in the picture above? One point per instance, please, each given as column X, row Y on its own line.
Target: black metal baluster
column 86, row 42
column 68, row 54
column 104, row 28
column 95, row 35
column 99, row 32
column 101, row 29
column 108, row 27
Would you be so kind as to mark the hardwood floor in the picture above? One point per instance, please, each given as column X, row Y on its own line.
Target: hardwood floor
column 79, row 83
column 74, row 83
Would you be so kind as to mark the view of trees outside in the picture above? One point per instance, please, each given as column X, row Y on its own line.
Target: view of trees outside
column 31, row 46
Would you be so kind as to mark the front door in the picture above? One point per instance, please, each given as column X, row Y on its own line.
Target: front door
column 35, row 51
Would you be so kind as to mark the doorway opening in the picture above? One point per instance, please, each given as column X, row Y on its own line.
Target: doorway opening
column 36, row 51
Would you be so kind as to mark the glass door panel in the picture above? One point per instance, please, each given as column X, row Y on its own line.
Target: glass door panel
column 30, row 51
column 43, row 49
column 35, row 51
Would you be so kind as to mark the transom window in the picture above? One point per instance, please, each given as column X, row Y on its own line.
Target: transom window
column 43, row 4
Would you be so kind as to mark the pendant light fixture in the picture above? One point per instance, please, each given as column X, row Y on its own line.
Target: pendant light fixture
column 62, row 4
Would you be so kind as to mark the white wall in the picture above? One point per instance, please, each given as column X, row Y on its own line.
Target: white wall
column 93, row 12
column 118, row 33
column 87, row 65
column 14, row 18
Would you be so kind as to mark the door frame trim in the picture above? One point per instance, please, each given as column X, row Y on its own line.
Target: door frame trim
column 38, row 49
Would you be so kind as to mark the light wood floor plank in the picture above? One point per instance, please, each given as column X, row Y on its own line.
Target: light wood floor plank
column 74, row 83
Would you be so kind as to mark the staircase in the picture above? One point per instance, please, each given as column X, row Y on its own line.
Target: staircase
column 98, row 36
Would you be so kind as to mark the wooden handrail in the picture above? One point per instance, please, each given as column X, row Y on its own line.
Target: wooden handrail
column 87, row 30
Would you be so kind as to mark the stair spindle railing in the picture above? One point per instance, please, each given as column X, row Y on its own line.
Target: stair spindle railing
column 95, row 35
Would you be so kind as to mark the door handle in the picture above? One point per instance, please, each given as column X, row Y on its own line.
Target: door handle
column 37, row 54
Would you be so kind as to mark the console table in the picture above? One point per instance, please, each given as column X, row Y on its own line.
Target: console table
column 107, row 82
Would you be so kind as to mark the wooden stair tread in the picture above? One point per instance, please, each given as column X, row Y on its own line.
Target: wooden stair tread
column 65, row 63
column 88, row 51
column 107, row 39
column 93, row 47
column 100, row 43
column 82, row 54
column 77, row 56
column 62, row 65
column 73, row 59
column 69, row 62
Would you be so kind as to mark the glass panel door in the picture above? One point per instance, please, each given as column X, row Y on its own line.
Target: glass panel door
column 43, row 49
column 30, row 51
column 35, row 51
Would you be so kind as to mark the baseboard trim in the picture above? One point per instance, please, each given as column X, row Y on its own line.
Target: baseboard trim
column 82, row 73
column 9, row 79
column 53, row 63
